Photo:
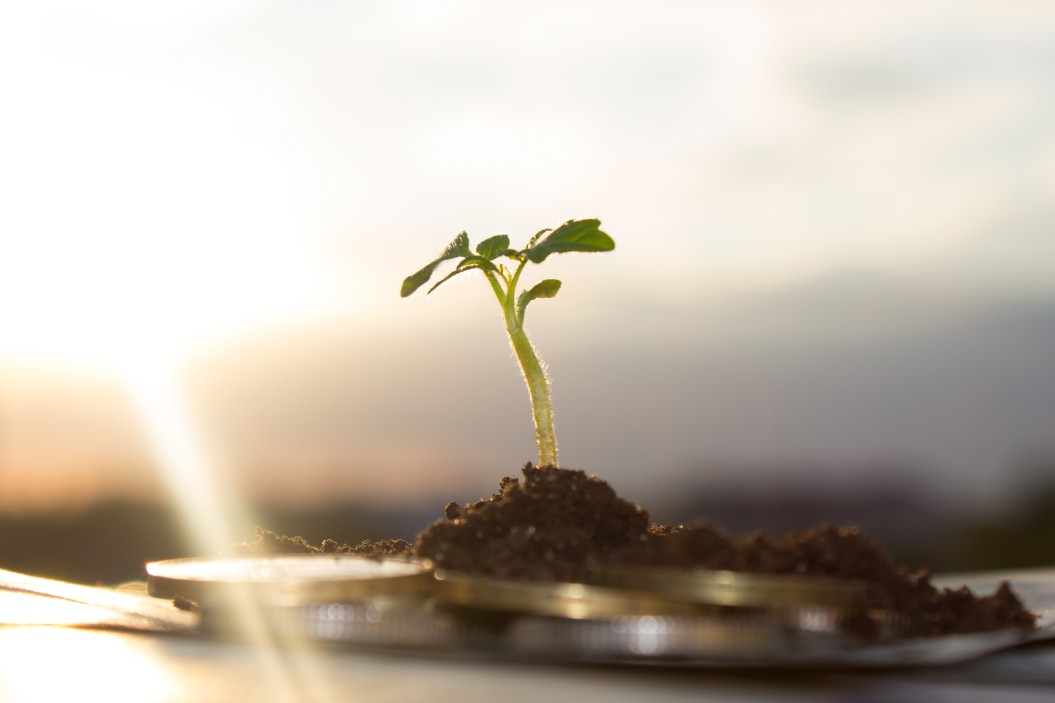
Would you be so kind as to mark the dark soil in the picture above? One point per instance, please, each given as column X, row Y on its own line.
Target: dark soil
column 553, row 523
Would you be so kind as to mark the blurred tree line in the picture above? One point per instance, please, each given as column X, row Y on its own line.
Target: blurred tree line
column 110, row 542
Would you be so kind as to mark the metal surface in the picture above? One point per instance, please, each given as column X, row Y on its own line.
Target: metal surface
column 689, row 620
column 745, row 641
column 30, row 600
column 569, row 600
column 475, row 660
column 373, row 626
column 734, row 639
column 561, row 622
column 289, row 580
column 733, row 588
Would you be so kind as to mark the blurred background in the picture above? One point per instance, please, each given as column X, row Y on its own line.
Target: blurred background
column 832, row 297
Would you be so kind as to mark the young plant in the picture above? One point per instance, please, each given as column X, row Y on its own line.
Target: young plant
column 573, row 235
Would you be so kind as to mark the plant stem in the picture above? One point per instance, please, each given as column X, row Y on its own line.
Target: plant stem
column 538, row 390
column 531, row 366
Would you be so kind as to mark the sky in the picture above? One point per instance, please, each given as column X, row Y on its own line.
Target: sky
column 835, row 254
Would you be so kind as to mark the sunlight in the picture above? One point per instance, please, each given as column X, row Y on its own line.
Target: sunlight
column 63, row 664
column 145, row 223
column 213, row 515
column 151, row 216
column 85, row 298
column 146, row 207
column 55, row 665
column 149, row 220
column 214, row 518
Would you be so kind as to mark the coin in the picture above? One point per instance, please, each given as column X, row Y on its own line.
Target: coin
column 568, row 600
column 404, row 624
column 751, row 640
column 290, row 579
column 733, row 588
column 401, row 627
column 649, row 637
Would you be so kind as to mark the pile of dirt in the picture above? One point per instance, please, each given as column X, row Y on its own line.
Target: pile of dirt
column 554, row 523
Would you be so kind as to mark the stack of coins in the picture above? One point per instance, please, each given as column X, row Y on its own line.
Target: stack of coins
column 619, row 615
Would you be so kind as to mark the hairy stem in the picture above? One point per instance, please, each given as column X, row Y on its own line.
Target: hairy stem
column 531, row 366
column 538, row 390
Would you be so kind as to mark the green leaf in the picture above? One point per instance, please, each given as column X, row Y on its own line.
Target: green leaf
column 573, row 235
column 493, row 247
column 535, row 237
column 543, row 289
column 458, row 247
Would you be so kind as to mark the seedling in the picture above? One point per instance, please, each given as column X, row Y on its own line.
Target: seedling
column 573, row 235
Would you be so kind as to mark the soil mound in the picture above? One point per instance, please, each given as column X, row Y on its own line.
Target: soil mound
column 552, row 524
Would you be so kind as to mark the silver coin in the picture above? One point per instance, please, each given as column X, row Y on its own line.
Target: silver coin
column 386, row 624
column 290, row 579
column 749, row 641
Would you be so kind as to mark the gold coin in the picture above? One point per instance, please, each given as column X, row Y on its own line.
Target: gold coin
column 567, row 600
column 290, row 579
column 733, row 588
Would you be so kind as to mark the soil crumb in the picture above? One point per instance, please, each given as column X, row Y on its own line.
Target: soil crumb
column 268, row 542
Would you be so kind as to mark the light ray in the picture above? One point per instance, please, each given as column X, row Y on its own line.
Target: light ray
column 214, row 518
